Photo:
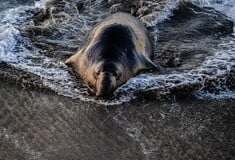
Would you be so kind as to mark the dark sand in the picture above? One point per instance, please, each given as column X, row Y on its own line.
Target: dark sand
column 39, row 125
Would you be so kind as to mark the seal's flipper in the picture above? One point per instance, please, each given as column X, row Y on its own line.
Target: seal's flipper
column 73, row 59
column 69, row 61
column 147, row 64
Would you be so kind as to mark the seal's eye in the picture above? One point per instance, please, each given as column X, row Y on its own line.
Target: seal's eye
column 117, row 75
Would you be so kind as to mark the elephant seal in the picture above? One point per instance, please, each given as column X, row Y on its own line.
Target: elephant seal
column 115, row 50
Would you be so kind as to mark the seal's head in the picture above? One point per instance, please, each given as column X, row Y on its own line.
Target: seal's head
column 108, row 78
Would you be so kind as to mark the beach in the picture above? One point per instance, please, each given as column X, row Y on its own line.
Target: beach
column 42, row 125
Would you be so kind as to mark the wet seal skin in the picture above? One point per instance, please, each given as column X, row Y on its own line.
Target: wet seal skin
column 115, row 50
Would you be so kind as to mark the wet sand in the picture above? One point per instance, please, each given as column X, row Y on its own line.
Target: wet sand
column 42, row 125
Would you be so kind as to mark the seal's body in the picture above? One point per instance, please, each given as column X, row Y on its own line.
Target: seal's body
column 113, row 51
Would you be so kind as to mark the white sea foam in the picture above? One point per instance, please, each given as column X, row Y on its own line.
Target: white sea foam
column 8, row 42
column 10, row 20
column 158, row 17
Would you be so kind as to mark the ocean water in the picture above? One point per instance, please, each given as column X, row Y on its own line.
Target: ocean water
column 17, row 50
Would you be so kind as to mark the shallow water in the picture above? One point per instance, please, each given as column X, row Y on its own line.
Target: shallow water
column 41, row 46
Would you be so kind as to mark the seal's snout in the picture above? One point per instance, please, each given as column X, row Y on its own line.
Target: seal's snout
column 105, row 85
